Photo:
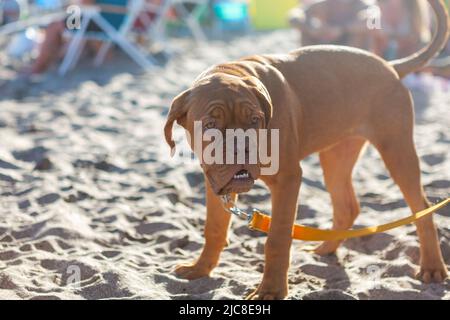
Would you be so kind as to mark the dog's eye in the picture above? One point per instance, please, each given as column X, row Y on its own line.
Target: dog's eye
column 210, row 125
column 255, row 120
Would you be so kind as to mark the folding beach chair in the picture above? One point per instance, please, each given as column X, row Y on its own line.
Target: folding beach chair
column 113, row 28
column 150, row 19
column 191, row 17
column 156, row 28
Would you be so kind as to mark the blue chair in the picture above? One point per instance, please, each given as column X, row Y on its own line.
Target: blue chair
column 231, row 15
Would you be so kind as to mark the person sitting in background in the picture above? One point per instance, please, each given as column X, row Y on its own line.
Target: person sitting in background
column 405, row 28
column 54, row 42
column 50, row 48
column 341, row 22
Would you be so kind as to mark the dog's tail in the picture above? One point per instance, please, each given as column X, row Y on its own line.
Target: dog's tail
column 418, row 60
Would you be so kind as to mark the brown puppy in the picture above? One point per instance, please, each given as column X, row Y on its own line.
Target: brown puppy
column 325, row 99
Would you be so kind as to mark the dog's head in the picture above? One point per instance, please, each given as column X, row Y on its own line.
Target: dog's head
column 217, row 103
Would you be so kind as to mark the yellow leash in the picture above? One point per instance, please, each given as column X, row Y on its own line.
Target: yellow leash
column 261, row 222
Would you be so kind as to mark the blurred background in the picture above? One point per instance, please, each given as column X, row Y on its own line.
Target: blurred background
column 37, row 35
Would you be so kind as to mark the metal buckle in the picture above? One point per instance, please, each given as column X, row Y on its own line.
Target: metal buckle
column 226, row 199
column 240, row 213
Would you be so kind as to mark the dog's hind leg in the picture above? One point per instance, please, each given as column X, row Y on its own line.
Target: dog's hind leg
column 393, row 137
column 401, row 159
column 337, row 164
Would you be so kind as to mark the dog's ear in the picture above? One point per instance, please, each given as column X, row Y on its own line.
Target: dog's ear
column 177, row 113
column 259, row 89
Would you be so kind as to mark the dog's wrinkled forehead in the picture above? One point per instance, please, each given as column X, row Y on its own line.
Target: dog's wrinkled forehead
column 228, row 90
column 245, row 98
column 231, row 99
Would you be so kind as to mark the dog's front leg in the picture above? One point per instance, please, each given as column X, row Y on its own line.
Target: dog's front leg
column 216, row 231
column 284, row 189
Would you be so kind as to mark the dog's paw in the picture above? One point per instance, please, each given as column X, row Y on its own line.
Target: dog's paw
column 327, row 248
column 191, row 271
column 263, row 293
column 431, row 273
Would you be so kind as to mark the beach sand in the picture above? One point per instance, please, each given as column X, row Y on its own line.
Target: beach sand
column 92, row 206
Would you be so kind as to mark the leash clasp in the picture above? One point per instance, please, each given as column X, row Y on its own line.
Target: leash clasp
column 240, row 213
column 231, row 207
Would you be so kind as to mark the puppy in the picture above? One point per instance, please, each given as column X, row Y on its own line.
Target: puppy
column 326, row 99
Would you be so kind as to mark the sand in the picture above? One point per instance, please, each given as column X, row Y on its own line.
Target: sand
column 92, row 207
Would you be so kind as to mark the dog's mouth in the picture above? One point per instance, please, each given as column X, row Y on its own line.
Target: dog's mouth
column 241, row 176
column 241, row 182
